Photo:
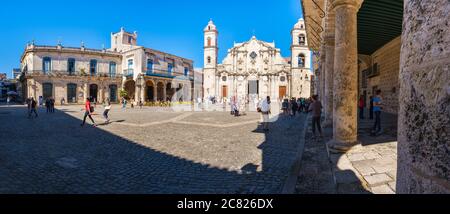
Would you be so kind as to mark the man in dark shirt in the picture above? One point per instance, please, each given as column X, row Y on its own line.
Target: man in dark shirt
column 316, row 108
column 32, row 107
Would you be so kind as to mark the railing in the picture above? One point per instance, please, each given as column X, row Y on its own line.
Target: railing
column 75, row 49
column 128, row 72
column 165, row 73
column 67, row 73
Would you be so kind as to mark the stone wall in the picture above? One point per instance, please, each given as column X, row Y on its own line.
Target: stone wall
column 35, row 87
column 424, row 98
column 387, row 58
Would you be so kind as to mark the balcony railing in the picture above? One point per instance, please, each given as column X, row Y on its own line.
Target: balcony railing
column 165, row 73
column 128, row 72
column 73, row 73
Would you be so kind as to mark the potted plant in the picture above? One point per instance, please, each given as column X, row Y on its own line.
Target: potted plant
column 123, row 93
column 83, row 72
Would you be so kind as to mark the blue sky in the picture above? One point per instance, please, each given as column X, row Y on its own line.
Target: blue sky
column 174, row 26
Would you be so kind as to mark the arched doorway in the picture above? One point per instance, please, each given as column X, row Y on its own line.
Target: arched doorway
column 150, row 89
column 93, row 91
column 130, row 87
column 47, row 90
column 113, row 93
column 169, row 91
column 160, row 91
column 71, row 93
column 179, row 93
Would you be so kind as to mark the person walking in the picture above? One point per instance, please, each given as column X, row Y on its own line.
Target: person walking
column 233, row 100
column 377, row 106
column 294, row 106
column 316, row 108
column 62, row 101
column 32, row 107
column 284, row 106
column 28, row 102
column 47, row 105
column 140, row 104
column 106, row 111
column 361, row 107
column 371, row 108
column 236, row 108
column 52, row 105
column 124, row 103
column 88, row 110
column 265, row 112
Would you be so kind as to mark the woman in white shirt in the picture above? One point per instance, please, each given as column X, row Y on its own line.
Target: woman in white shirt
column 107, row 108
column 265, row 111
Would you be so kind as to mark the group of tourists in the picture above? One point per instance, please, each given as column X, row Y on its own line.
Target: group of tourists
column 292, row 106
column 375, row 109
column 50, row 105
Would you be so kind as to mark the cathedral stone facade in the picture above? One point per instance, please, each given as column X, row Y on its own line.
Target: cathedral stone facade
column 255, row 69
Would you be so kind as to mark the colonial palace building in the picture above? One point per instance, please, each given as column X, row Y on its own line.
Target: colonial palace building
column 77, row 73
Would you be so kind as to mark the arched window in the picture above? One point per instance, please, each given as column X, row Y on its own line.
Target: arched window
column 209, row 59
column 301, row 26
column 209, row 41
column 306, row 77
column 301, row 60
column 186, row 71
column 46, row 64
column 93, row 67
column 301, row 39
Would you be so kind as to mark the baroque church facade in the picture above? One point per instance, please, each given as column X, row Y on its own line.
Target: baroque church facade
column 255, row 69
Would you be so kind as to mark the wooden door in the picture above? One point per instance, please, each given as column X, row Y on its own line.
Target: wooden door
column 281, row 92
column 224, row 91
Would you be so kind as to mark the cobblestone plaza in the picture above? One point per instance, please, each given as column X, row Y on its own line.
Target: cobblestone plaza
column 145, row 151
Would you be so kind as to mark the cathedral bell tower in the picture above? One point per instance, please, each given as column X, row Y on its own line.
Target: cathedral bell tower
column 300, row 61
column 210, row 60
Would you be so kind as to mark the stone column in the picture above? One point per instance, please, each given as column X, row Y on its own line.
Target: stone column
column 424, row 99
column 107, row 93
column 322, row 73
column 345, row 86
column 329, row 67
column 164, row 91
column 85, row 92
column 143, row 89
column 155, row 91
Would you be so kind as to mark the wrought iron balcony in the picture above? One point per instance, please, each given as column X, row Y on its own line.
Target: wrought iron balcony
column 128, row 72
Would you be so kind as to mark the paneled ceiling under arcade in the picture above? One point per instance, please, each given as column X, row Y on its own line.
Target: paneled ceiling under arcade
column 379, row 21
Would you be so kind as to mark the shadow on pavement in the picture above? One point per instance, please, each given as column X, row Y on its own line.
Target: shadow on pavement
column 53, row 154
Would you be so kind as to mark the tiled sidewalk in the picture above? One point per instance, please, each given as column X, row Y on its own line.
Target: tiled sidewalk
column 369, row 167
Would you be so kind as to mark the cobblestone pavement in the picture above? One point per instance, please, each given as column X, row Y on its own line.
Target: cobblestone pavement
column 145, row 151
column 369, row 167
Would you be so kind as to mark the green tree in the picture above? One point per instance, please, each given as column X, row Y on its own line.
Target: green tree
column 123, row 93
